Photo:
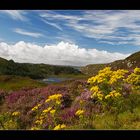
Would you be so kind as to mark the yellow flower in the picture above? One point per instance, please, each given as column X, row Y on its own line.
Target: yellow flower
column 53, row 111
column 58, row 102
column 34, row 128
column 116, row 75
column 117, row 94
column 63, row 126
column 114, row 93
column 58, row 127
column 92, row 80
column 48, row 100
column 16, row 113
column 94, row 89
column 79, row 112
column 137, row 70
column 47, row 110
column 134, row 79
column 39, row 105
column 55, row 97
column 39, row 122
column 96, row 93
column 100, row 96
column 107, row 96
column 35, row 108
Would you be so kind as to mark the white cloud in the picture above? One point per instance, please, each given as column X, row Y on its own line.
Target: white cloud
column 27, row 33
column 15, row 14
column 54, row 25
column 62, row 53
column 123, row 26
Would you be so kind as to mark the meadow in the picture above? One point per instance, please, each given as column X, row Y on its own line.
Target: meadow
column 108, row 100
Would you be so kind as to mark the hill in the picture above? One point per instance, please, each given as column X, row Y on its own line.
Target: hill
column 129, row 63
column 34, row 71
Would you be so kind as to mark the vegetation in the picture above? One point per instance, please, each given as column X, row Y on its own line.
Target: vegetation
column 108, row 100
column 107, row 96
column 129, row 63
column 11, row 83
column 34, row 71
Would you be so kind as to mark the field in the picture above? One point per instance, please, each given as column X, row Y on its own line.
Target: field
column 10, row 83
column 108, row 100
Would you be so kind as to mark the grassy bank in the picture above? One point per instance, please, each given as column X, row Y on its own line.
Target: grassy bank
column 8, row 83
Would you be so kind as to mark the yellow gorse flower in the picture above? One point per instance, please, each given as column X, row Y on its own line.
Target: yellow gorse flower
column 94, row 89
column 48, row 100
column 53, row 111
column 134, row 79
column 79, row 112
column 116, row 75
column 47, row 110
column 39, row 122
column 55, row 97
column 16, row 113
column 34, row 128
column 59, row 127
column 113, row 94
column 96, row 93
column 63, row 126
column 137, row 70
column 36, row 107
column 102, row 76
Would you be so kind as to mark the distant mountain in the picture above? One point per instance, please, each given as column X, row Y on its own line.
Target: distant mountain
column 129, row 63
column 34, row 71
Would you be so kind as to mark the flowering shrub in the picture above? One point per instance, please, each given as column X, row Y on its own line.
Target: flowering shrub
column 134, row 79
column 49, row 114
column 108, row 85
column 10, row 120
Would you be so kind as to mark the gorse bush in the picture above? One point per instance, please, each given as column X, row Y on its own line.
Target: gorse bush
column 108, row 87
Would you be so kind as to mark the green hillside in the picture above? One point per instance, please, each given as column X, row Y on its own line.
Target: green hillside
column 129, row 63
column 10, row 82
column 34, row 71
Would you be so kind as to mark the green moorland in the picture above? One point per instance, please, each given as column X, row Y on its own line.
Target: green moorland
column 35, row 71
column 12, row 83
column 107, row 98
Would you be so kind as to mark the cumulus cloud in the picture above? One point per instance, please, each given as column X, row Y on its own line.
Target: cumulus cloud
column 63, row 53
column 27, row 33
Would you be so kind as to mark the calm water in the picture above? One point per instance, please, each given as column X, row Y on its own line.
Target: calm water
column 54, row 80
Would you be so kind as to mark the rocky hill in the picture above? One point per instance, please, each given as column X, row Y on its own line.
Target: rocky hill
column 129, row 63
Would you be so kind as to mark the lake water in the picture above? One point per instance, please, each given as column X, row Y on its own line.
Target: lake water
column 54, row 80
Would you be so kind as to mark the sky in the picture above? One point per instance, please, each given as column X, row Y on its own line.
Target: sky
column 69, row 37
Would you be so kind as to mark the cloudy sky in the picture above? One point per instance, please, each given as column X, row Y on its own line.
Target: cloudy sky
column 69, row 37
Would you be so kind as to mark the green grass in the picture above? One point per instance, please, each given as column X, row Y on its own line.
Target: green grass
column 9, row 83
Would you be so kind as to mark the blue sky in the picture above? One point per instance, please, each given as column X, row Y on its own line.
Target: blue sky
column 90, row 35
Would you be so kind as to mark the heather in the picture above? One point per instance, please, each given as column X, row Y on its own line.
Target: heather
column 108, row 100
